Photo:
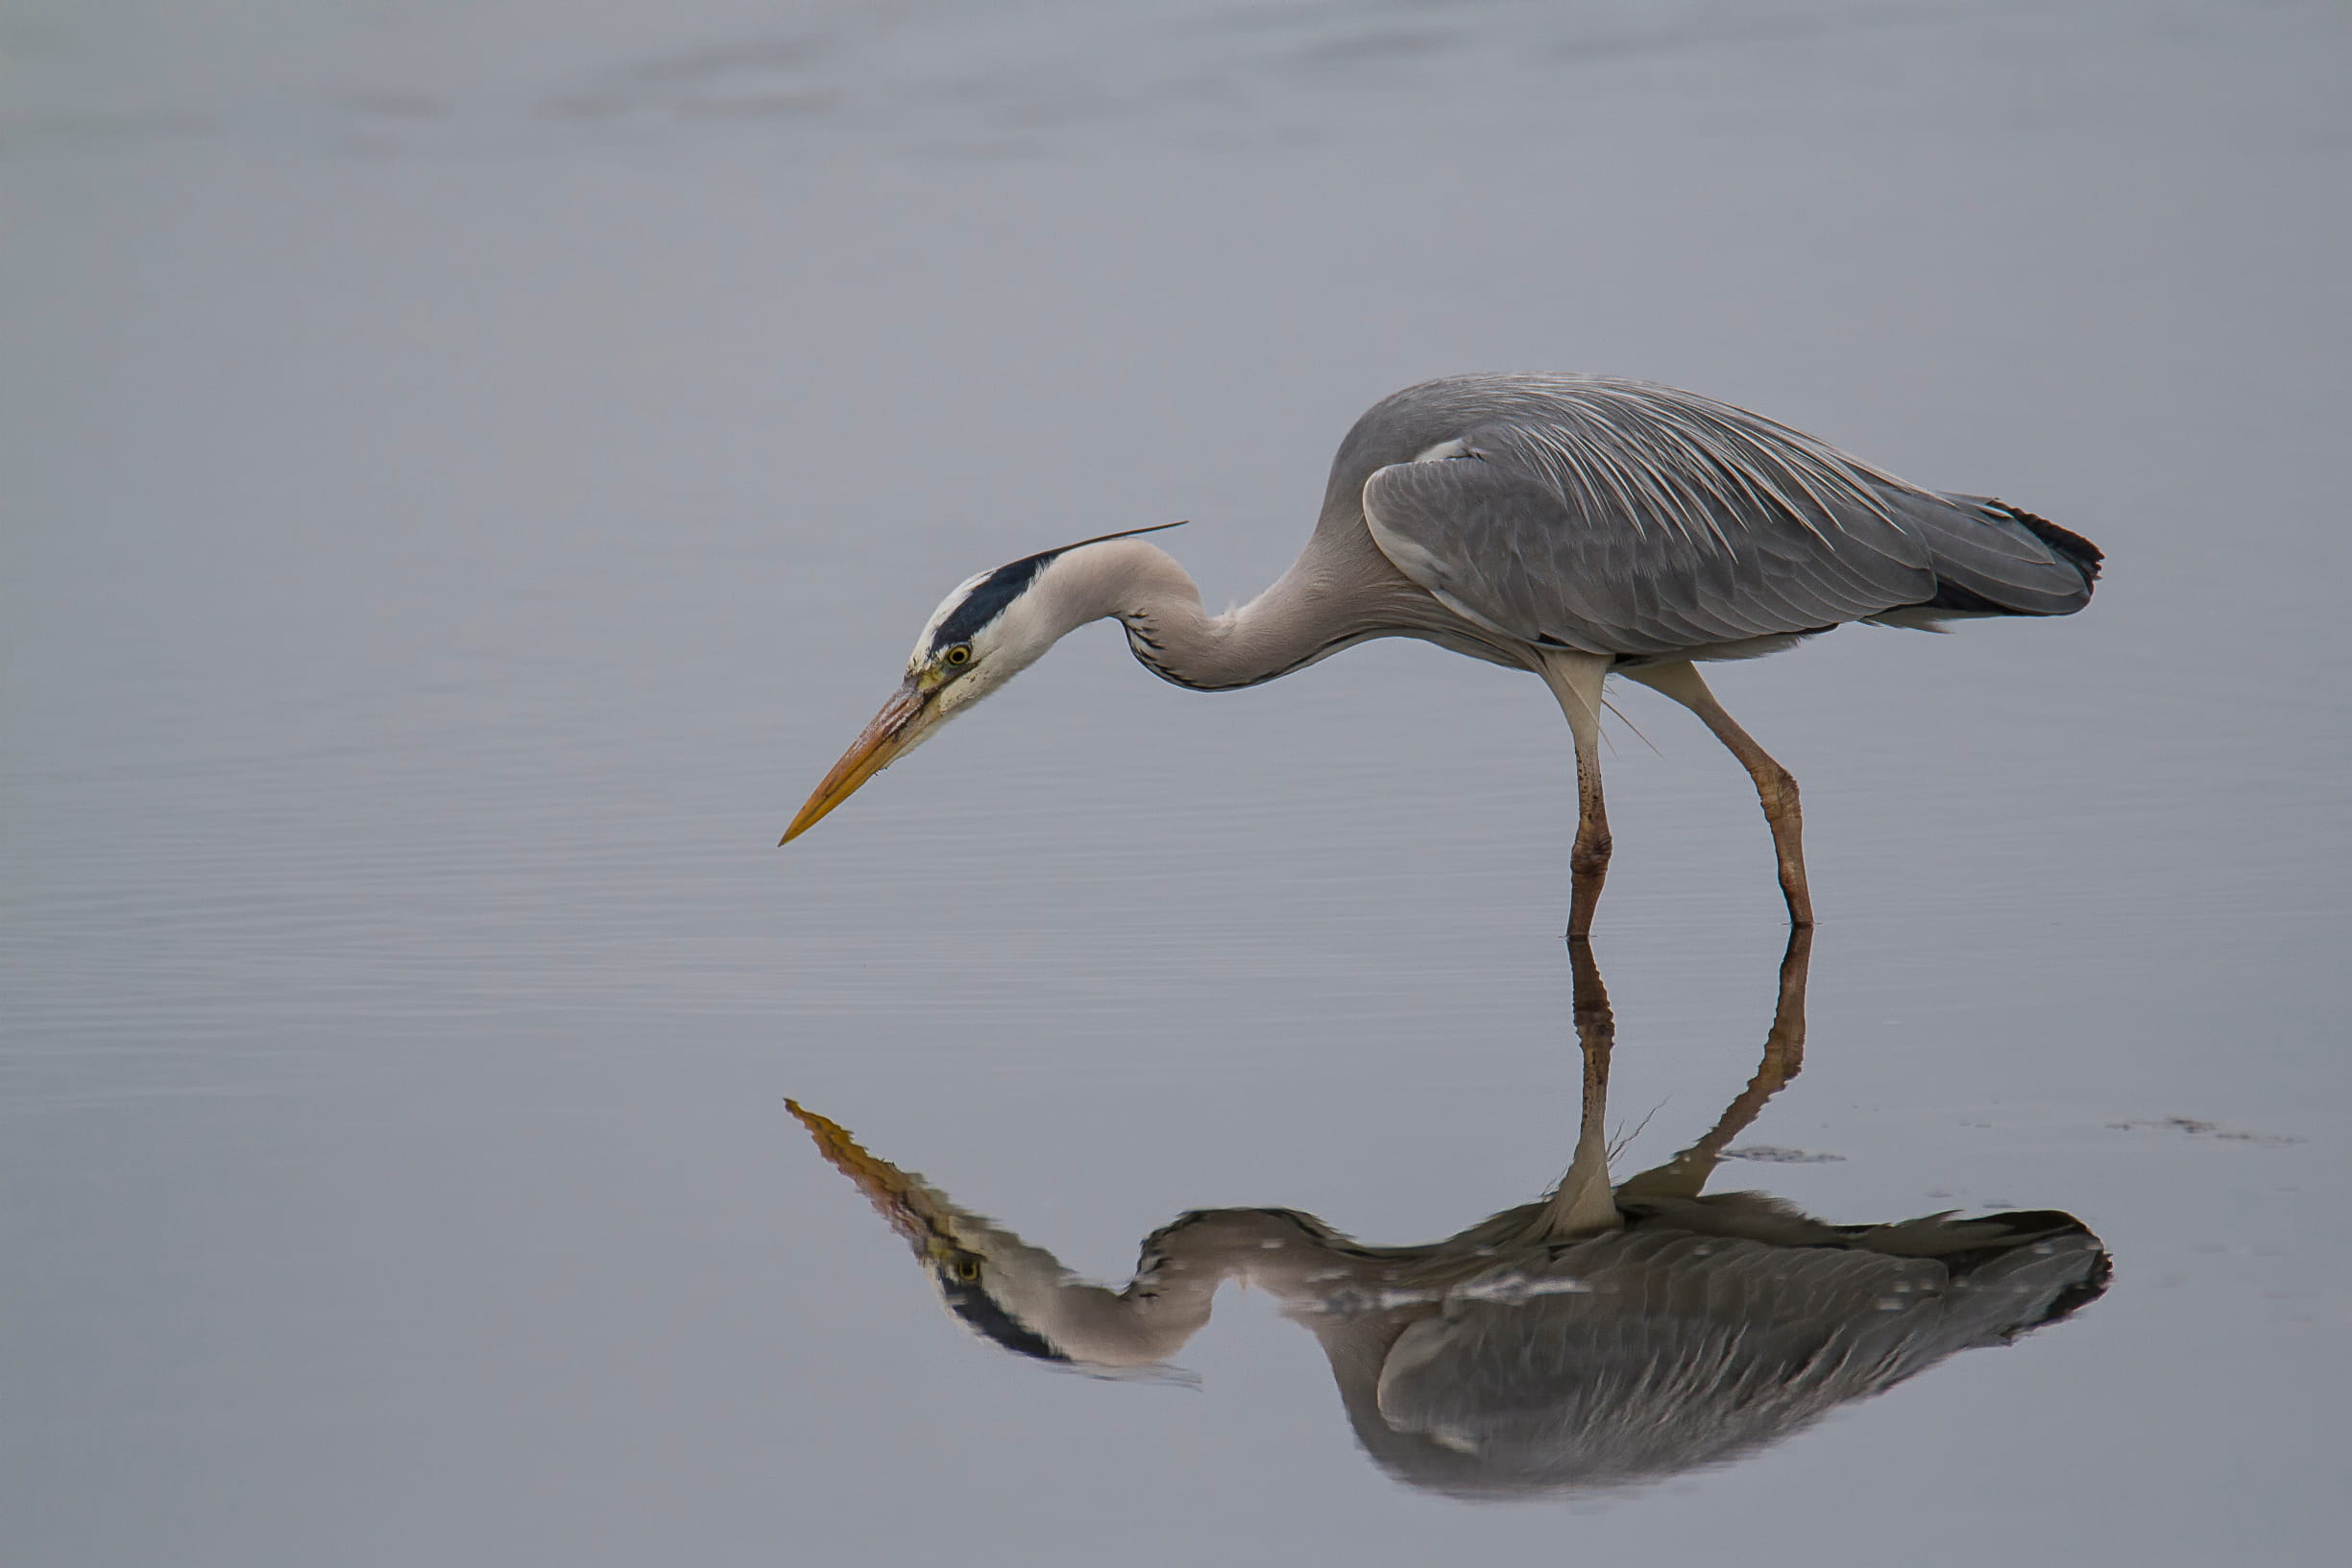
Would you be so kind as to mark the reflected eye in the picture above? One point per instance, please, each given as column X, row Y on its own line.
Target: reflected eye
column 958, row 654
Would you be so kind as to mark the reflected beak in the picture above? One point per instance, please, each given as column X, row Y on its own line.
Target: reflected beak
column 902, row 721
column 914, row 1210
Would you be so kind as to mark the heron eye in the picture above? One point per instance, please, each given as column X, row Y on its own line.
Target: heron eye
column 958, row 654
column 967, row 1269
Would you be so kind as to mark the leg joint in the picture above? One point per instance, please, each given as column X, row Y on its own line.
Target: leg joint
column 1590, row 857
column 1777, row 788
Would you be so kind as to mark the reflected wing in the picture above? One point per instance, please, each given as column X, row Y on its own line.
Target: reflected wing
column 1633, row 520
column 1674, row 1350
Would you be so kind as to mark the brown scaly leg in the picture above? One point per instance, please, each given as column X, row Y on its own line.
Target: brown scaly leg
column 1575, row 680
column 1774, row 788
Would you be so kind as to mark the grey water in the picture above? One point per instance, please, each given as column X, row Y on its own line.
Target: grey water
column 469, row 468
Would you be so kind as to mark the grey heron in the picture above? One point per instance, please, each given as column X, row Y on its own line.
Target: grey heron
column 1600, row 1339
column 1575, row 526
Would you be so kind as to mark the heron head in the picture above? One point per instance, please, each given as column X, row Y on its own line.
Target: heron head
column 990, row 629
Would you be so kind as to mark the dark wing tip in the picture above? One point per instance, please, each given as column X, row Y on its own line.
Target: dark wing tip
column 2072, row 547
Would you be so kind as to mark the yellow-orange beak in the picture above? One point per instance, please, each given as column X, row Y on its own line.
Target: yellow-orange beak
column 903, row 719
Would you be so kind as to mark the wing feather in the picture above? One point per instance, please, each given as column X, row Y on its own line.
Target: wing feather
column 1616, row 517
column 1600, row 572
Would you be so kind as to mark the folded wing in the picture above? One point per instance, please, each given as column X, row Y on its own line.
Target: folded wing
column 1618, row 518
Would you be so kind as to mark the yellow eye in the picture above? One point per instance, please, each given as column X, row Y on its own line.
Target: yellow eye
column 959, row 653
column 967, row 1269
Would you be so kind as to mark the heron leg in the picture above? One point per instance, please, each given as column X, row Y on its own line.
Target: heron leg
column 1776, row 789
column 1576, row 680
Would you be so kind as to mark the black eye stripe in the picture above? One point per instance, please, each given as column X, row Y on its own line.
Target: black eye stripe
column 1000, row 588
column 976, row 1307
column 987, row 600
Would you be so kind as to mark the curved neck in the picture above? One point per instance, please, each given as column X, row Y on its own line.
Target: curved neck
column 1302, row 618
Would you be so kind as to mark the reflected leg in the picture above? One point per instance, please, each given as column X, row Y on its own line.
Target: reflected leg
column 1684, row 1176
column 1582, row 1202
column 1776, row 789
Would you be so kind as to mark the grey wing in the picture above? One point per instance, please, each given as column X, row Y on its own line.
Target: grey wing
column 1628, row 557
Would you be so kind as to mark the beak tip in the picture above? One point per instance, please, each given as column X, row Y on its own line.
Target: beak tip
column 891, row 733
column 902, row 718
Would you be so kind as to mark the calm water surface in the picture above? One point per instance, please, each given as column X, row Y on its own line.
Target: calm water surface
column 471, row 468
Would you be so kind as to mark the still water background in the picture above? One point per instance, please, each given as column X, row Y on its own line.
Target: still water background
column 470, row 468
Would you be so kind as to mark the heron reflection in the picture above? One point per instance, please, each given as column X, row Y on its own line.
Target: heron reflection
column 1604, row 1336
